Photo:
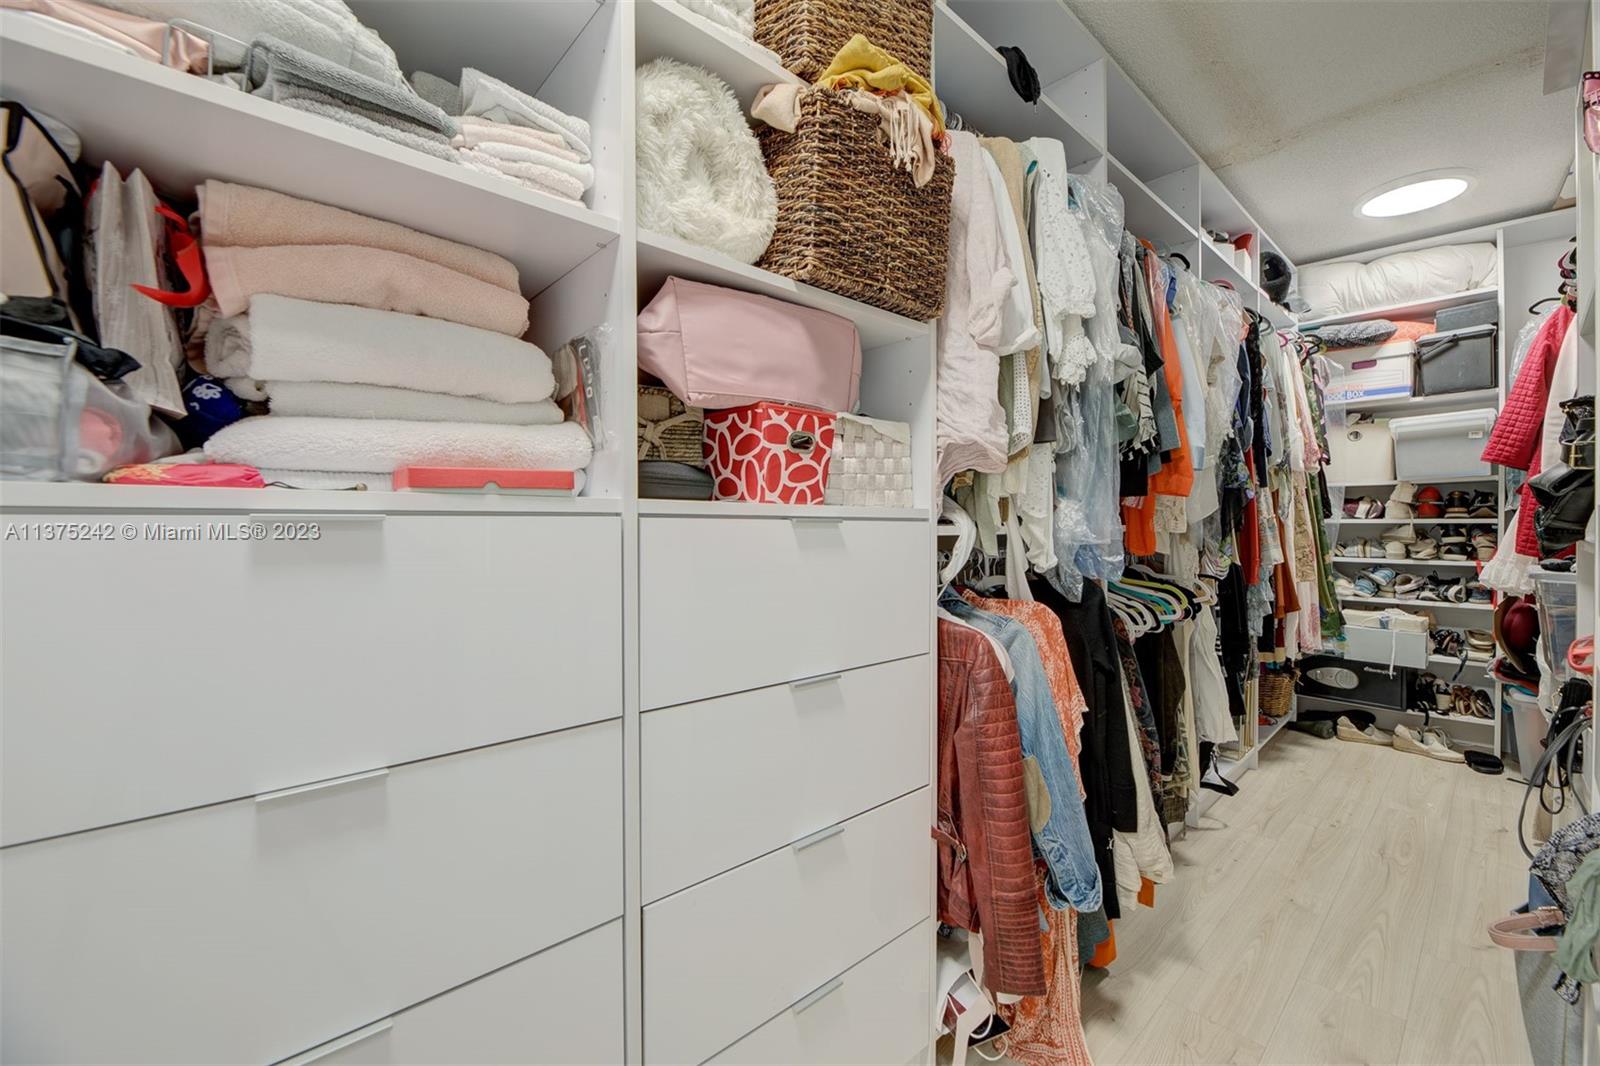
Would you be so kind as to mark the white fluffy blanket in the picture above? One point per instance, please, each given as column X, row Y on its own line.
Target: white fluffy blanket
column 700, row 172
column 283, row 339
column 332, row 444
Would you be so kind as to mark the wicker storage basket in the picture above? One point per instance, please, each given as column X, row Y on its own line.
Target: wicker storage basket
column 668, row 429
column 1277, row 692
column 807, row 34
column 848, row 221
column 871, row 463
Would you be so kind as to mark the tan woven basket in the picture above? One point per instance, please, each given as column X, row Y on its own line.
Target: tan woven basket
column 668, row 429
column 848, row 221
column 807, row 34
column 1277, row 692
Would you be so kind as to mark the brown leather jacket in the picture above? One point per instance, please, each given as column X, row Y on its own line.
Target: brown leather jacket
column 986, row 879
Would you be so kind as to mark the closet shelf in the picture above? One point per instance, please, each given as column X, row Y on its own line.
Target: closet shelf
column 970, row 80
column 1213, row 267
column 1475, row 480
column 667, row 28
column 1389, row 601
column 1409, row 404
column 1265, row 733
column 83, row 496
column 661, row 256
column 181, row 129
column 1451, row 660
column 1148, row 216
column 1411, row 309
column 1343, row 521
column 1364, row 706
column 811, row 512
column 1424, row 563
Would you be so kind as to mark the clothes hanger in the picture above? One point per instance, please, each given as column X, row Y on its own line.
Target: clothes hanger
column 1533, row 308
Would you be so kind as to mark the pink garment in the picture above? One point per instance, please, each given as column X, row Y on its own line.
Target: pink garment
column 144, row 37
column 240, row 216
column 365, row 277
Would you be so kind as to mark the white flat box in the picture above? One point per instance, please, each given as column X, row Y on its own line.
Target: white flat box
column 1441, row 445
column 1373, row 372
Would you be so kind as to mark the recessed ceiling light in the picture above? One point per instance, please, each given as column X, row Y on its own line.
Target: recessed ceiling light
column 1413, row 196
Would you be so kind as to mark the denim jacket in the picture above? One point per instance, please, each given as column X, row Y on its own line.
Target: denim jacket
column 1063, row 840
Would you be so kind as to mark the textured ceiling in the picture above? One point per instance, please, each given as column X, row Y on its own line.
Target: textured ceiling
column 1302, row 106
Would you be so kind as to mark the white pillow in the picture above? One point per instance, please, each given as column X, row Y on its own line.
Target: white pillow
column 1345, row 287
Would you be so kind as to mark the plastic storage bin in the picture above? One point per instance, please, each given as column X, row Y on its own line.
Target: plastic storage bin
column 1557, row 597
column 1458, row 360
column 1477, row 313
column 1442, row 445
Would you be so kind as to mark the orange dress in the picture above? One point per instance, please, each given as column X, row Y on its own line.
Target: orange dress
column 1047, row 1030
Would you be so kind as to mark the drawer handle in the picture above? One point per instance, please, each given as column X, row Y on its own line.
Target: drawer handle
column 809, row 682
column 819, row 995
column 321, row 786
column 816, row 519
column 377, row 1028
column 818, row 837
column 349, row 518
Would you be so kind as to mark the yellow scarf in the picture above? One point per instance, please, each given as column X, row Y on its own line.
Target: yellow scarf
column 861, row 64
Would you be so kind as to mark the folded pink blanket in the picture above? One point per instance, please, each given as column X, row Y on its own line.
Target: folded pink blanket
column 530, row 175
column 239, row 216
column 366, row 277
column 477, row 131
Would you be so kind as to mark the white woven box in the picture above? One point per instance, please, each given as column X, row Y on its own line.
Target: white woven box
column 871, row 463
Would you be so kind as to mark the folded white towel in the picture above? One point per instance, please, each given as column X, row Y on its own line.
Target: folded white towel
column 491, row 98
column 502, row 153
column 331, row 399
column 532, row 175
column 288, row 442
column 284, row 339
column 475, row 131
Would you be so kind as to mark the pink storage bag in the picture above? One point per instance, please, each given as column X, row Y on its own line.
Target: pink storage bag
column 716, row 347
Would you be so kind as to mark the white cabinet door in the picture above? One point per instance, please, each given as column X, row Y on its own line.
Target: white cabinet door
column 253, row 930
column 730, row 604
column 728, row 779
column 563, row 1005
column 724, row 956
column 147, row 676
column 879, row 1010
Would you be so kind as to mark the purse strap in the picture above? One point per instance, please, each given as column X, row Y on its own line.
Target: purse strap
column 1513, row 932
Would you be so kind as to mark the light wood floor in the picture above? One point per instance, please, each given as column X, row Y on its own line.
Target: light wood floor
column 1332, row 912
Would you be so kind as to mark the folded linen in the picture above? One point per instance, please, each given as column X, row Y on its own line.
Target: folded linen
column 241, row 216
column 476, row 131
column 143, row 37
column 532, row 175
column 501, row 153
column 284, row 339
column 492, row 99
column 378, row 123
column 282, row 441
column 333, row 399
column 366, row 277
column 276, row 69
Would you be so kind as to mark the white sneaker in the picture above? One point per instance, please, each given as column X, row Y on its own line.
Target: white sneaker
column 1429, row 742
column 1348, row 730
column 1404, row 534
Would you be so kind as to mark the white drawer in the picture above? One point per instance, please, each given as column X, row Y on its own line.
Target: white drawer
column 730, row 604
column 880, row 1010
column 731, row 778
column 252, row 930
column 726, row 955
column 563, row 1005
column 142, row 677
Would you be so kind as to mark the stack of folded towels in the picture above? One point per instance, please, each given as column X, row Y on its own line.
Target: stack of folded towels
column 506, row 132
column 375, row 347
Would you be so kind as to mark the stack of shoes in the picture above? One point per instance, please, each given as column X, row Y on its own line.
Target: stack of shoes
column 1454, row 544
column 1479, row 645
column 1484, row 545
column 1429, row 502
column 1427, row 742
column 1401, row 501
column 373, row 345
column 505, row 132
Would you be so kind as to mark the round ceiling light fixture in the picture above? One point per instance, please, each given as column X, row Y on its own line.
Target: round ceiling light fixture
column 1419, row 192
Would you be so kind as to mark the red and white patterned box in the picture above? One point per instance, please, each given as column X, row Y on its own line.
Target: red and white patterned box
column 769, row 452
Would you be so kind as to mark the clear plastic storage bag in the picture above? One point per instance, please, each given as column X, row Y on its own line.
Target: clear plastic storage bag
column 58, row 422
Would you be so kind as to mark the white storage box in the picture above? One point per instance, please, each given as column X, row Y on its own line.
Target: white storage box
column 1442, row 445
column 1386, row 647
column 1372, row 372
column 1361, row 453
column 870, row 465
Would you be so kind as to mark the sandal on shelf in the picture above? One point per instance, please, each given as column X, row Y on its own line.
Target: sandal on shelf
column 1405, row 534
column 1482, row 706
column 1424, row 548
column 1366, row 507
column 1484, row 505
column 1478, row 592
column 1400, row 500
column 1407, row 587
column 1454, row 591
column 1461, row 700
column 1430, row 502
column 1351, row 550
column 1458, row 504
column 1447, row 642
column 1484, row 544
column 1454, row 549
column 1391, row 549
